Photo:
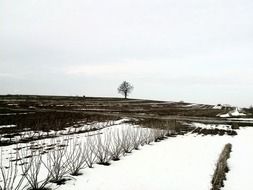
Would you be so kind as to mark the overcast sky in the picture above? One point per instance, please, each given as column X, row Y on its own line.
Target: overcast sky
column 190, row 50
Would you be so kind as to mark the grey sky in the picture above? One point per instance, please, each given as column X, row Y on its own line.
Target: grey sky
column 197, row 51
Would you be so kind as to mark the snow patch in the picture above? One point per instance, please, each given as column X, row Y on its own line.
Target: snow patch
column 234, row 113
column 217, row 107
column 7, row 126
column 210, row 126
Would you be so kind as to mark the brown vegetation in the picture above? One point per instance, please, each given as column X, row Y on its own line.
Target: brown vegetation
column 221, row 168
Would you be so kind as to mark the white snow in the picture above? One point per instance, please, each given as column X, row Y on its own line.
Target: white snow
column 192, row 105
column 241, row 119
column 12, row 104
column 7, row 126
column 218, row 107
column 210, row 126
column 179, row 163
column 225, row 115
column 184, row 162
column 17, row 113
column 234, row 113
column 240, row 163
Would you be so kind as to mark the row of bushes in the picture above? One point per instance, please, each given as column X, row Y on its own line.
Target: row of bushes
column 27, row 135
column 50, row 120
column 215, row 131
column 41, row 164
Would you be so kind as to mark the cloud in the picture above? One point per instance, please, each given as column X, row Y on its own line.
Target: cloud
column 132, row 67
column 9, row 75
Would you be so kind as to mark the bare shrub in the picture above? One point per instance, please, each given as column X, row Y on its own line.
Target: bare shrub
column 76, row 157
column 156, row 133
column 137, row 138
column 31, row 164
column 57, row 163
column 148, row 136
column 159, row 134
column 145, row 137
column 163, row 134
column 171, row 126
column 9, row 179
column 116, row 149
column 134, row 139
column 90, row 151
column 127, row 142
column 102, row 152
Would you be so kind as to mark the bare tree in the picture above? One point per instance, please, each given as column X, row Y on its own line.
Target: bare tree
column 125, row 89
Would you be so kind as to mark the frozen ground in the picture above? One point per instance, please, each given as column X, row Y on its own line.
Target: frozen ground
column 184, row 162
column 178, row 163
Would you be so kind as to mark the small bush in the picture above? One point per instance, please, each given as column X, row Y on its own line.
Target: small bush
column 102, row 149
column 31, row 164
column 116, row 149
column 221, row 168
column 76, row 157
column 90, row 151
column 127, row 141
column 57, row 164
column 9, row 179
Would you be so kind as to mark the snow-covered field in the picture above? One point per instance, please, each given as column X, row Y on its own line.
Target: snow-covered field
column 240, row 163
column 176, row 163
column 184, row 162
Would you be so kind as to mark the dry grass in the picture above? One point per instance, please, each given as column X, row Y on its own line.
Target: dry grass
column 221, row 168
